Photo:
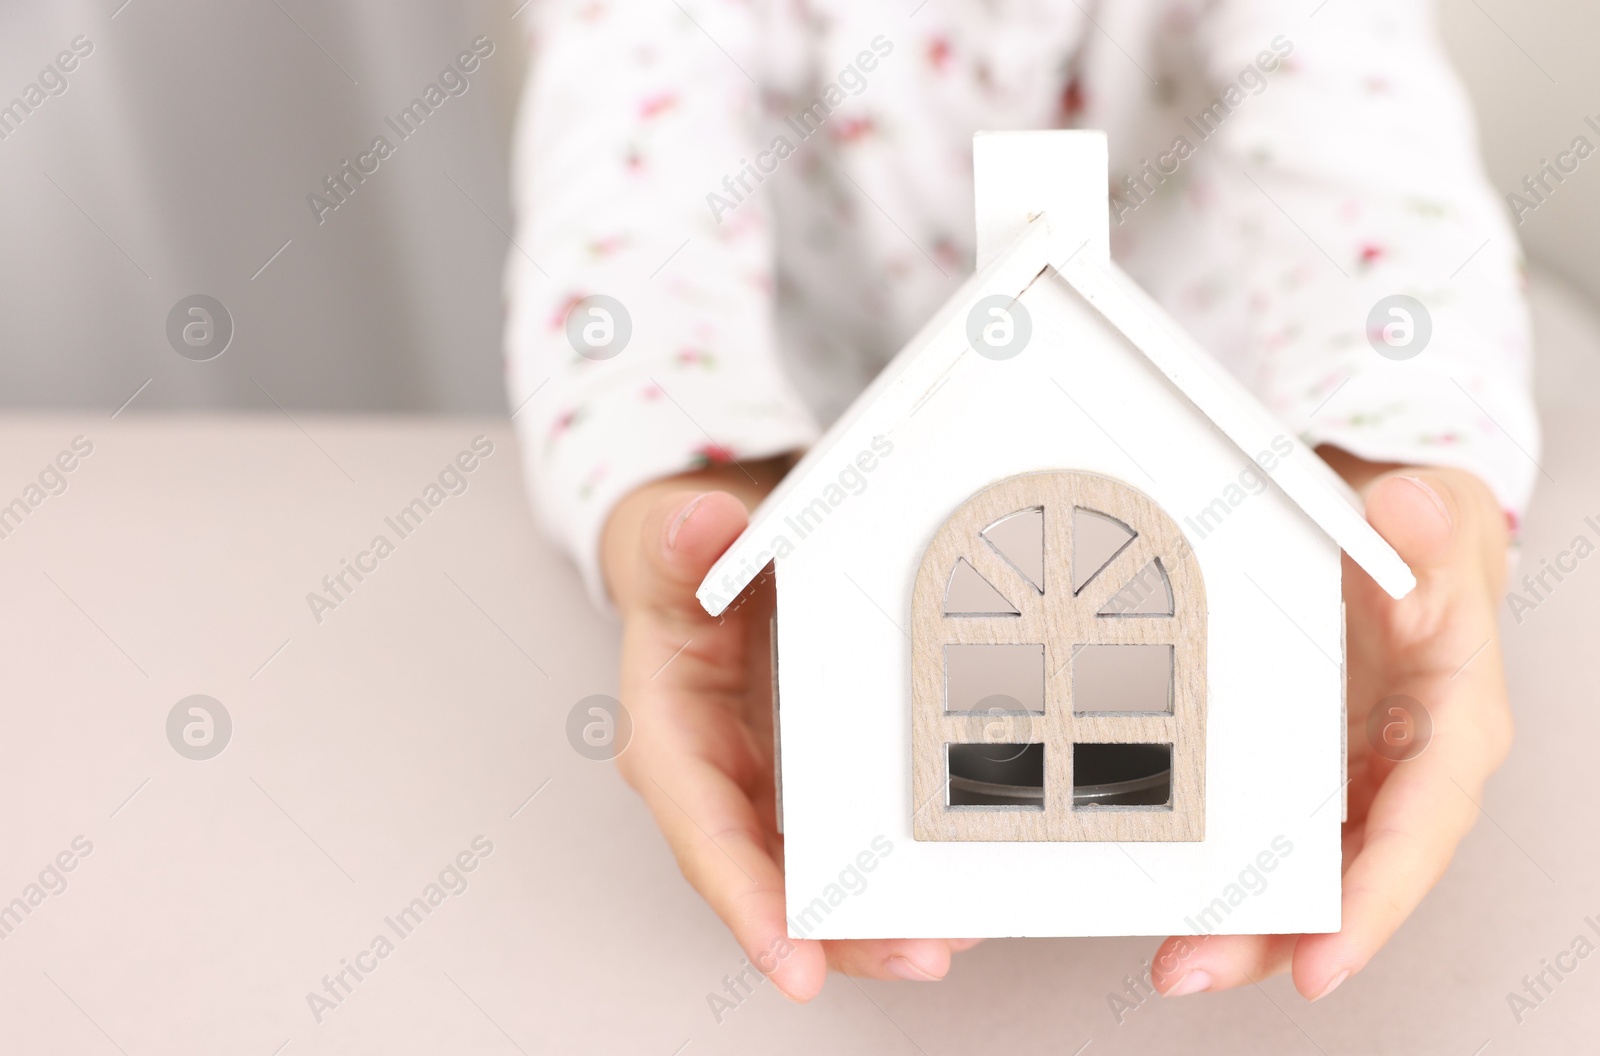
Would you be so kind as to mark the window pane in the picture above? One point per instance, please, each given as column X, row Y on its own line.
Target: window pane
column 1019, row 539
column 1121, row 678
column 969, row 594
column 1096, row 539
column 994, row 678
column 1121, row 775
column 996, row 775
column 1146, row 594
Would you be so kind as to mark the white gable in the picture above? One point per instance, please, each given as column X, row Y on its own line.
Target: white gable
column 1056, row 238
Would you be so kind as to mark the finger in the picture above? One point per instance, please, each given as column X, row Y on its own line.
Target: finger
column 1416, row 512
column 914, row 960
column 1189, row 964
column 1435, row 518
column 1411, row 833
column 681, row 537
column 717, row 838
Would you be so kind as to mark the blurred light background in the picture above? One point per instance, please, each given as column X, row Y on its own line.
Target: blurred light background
column 179, row 159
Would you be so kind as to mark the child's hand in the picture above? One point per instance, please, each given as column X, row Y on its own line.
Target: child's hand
column 1440, row 646
column 699, row 691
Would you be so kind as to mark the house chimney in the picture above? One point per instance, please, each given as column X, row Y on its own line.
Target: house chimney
column 1018, row 175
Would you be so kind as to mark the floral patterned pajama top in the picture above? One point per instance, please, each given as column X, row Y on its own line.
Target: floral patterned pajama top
column 778, row 193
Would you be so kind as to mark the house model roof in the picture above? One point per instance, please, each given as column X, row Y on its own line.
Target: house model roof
column 1042, row 207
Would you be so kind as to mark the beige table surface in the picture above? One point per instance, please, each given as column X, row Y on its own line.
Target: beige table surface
column 369, row 750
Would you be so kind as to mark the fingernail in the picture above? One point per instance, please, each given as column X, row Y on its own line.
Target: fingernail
column 1433, row 496
column 1333, row 984
column 904, row 968
column 682, row 515
column 1192, row 983
column 787, row 996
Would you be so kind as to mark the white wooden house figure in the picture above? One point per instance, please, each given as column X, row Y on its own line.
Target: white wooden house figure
column 1059, row 618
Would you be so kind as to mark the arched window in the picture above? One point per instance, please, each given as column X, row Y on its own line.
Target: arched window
column 1058, row 668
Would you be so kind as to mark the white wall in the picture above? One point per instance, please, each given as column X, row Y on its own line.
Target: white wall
column 1530, row 68
column 181, row 155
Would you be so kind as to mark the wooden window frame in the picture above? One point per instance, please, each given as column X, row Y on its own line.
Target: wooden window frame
column 1060, row 620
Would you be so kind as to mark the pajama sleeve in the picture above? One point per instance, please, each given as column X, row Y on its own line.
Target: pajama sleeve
column 1337, row 242
column 640, row 340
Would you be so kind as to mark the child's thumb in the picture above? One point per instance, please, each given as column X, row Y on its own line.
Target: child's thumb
column 683, row 535
column 1438, row 517
column 1417, row 513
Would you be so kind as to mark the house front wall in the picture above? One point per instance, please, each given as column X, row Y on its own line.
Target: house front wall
column 1076, row 397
